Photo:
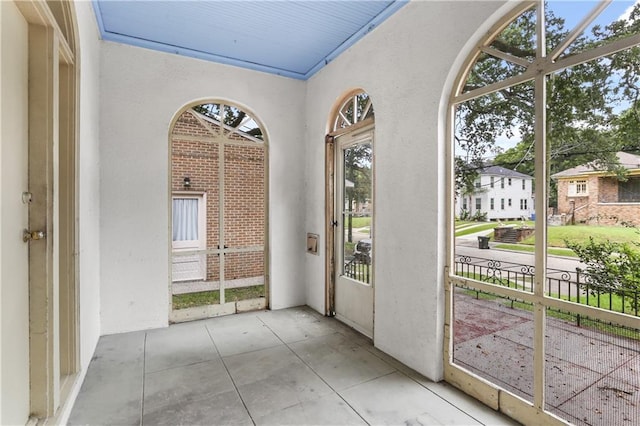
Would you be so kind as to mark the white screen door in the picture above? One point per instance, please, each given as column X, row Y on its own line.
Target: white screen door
column 353, row 239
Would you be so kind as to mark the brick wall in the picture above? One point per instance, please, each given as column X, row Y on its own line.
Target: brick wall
column 600, row 206
column 195, row 153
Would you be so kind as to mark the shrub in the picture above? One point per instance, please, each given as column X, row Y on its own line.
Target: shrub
column 611, row 267
column 480, row 217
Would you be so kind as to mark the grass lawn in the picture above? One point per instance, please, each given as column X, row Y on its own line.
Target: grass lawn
column 203, row 298
column 360, row 222
column 558, row 251
column 610, row 302
column 557, row 234
column 459, row 224
column 465, row 229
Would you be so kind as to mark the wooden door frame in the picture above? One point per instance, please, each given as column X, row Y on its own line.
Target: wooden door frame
column 330, row 225
column 331, row 221
column 53, row 169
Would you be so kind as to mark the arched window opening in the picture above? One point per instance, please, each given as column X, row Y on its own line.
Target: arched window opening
column 218, row 191
column 545, row 127
column 360, row 102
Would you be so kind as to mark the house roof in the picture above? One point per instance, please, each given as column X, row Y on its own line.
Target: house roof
column 291, row 38
column 502, row 172
column 627, row 160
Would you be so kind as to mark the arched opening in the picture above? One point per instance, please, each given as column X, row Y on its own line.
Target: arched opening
column 349, row 200
column 218, row 212
column 541, row 313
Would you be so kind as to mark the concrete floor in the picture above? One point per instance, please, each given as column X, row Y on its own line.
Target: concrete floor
column 291, row 366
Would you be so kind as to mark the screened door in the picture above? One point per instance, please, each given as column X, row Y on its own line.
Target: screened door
column 218, row 213
column 354, row 242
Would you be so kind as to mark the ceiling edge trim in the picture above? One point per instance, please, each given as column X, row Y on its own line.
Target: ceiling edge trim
column 371, row 25
column 181, row 51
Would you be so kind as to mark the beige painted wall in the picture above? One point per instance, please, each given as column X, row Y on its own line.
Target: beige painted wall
column 14, row 285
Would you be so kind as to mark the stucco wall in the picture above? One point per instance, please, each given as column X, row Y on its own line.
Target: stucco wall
column 141, row 91
column 89, row 181
column 88, row 195
column 14, row 277
column 407, row 65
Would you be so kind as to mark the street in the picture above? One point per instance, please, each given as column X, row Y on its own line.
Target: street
column 561, row 271
column 469, row 247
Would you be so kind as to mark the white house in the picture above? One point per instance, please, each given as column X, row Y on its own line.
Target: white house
column 501, row 193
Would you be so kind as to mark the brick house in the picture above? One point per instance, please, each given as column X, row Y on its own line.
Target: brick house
column 197, row 159
column 589, row 195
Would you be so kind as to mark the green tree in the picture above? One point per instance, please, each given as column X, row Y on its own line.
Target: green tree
column 627, row 129
column 357, row 171
column 357, row 160
column 233, row 117
column 583, row 118
column 466, row 174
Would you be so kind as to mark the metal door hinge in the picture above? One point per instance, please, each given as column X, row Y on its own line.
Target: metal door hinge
column 33, row 235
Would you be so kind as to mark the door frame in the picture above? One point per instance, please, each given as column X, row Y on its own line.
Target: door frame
column 332, row 221
column 201, row 198
column 54, row 350
column 203, row 312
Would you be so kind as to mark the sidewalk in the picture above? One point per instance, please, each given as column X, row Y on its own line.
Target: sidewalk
column 592, row 377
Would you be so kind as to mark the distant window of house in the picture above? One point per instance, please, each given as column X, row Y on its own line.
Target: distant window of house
column 502, row 204
column 524, row 183
column 629, row 191
column 523, row 204
column 186, row 223
column 491, row 204
column 577, row 188
column 492, row 181
column 478, row 204
column 509, row 182
column 502, row 183
column 509, row 202
column 464, row 204
column 478, row 183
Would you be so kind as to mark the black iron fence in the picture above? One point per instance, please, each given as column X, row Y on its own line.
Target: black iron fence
column 577, row 286
column 359, row 268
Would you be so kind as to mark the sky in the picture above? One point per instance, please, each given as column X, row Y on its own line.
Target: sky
column 573, row 11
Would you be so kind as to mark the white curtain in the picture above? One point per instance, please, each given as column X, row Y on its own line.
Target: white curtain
column 185, row 219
